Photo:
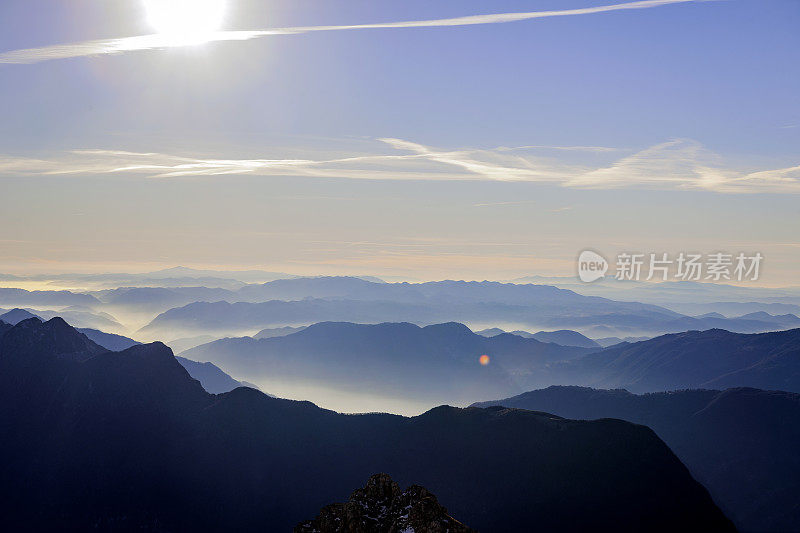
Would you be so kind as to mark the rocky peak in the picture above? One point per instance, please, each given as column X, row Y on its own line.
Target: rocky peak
column 381, row 507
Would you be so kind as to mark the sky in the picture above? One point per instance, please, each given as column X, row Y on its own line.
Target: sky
column 450, row 139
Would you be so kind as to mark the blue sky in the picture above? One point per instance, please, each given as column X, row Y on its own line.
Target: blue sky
column 688, row 113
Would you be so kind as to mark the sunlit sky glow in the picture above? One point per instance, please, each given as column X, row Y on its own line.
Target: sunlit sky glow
column 185, row 21
column 458, row 139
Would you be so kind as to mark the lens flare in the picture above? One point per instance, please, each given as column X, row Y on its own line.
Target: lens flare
column 483, row 360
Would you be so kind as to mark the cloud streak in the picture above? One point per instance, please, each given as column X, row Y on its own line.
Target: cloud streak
column 161, row 41
column 677, row 164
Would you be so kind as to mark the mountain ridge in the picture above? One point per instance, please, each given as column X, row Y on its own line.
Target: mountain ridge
column 119, row 421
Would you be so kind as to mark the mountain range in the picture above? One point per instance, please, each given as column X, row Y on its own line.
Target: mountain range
column 170, row 312
column 405, row 368
column 692, row 359
column 128, row 440
column 564, row 337
column 740, row 443
column 302, row 301
column 396, row 366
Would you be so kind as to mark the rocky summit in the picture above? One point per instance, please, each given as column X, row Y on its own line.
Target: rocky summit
column 381, row 507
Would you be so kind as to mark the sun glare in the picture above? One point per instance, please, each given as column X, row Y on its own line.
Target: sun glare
column 186, row 21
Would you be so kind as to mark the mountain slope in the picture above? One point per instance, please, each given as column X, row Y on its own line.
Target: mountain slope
column 740, row 443
column 109, row 341
column 213, row 379
column 127, row 440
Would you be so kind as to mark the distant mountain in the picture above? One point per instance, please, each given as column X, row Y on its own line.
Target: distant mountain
column 694, row 359
column 300, row 301
column 157, row 299
column 109, row 341
column 684, row 296
column 277, row 332
column 565, row 337
column 186, row 343
column 538, row 307
column 24, row 298
column 491, row 332
column 741, row 443
column 129, row 441
column 395, row 365
column 731, row 308
column 210, row 376
column 788, row 320
column 75, row 315
column 605, row 342
column 242, row 275
column 17, row 315
column 170, row 277
column 382, row 506
column 756, row 323
column 714, row 315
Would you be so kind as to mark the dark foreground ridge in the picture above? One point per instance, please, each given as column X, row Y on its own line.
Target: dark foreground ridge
column 382, row 507
column 127, row 440
column 740, row 443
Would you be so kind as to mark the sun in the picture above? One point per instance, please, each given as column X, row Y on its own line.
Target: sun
column 186, row 21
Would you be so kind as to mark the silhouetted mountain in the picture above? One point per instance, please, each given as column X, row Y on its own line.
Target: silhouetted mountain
column 17, row 315
column 397, row 363
column 741, row 443
column 128, row 441
column 109, row 341
column 565, row 337
column 4, row 326
column 694, row 359
column 210, row 376
column 381, row 506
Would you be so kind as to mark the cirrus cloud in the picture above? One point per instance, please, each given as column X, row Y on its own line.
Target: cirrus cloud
column 677, row 164
column 160, row 41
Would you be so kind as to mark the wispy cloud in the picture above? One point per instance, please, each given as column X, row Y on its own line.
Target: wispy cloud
column 151, row 42
column 678, row 164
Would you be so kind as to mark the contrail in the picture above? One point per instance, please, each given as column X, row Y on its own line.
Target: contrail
column 159, row 41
